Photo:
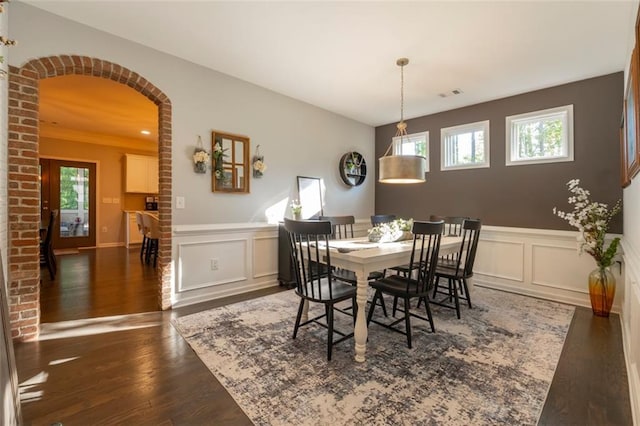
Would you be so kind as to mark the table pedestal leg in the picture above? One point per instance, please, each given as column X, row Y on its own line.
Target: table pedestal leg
column 360, row 330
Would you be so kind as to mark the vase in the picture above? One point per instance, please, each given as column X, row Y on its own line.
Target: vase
column 200, row 167
column 602, row 289
column 297, row 216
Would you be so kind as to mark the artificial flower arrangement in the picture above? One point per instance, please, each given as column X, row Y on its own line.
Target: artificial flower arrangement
column 397, row 230
column 200, row 160
column 218, row 155
column 296, row 208
column 257, row 164
column 592, row 220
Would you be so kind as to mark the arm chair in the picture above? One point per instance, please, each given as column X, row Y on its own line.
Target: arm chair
column 309, row 242
column 422, row 262
column 47, row 256
column 460, row 270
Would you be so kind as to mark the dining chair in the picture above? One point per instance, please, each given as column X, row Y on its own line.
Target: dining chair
column 309, row 243
column 378, row 219
column 47, row 256
column 142, row 230
column 457, row 274
column 422, row 261
column 342, row 228
column 152, row 230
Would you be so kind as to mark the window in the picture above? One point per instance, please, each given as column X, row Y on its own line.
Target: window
column 414, row 144
column 540, row 137
column 465, row 146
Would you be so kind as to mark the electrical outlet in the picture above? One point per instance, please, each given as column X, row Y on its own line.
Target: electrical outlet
column 179, row 202
column 214, row 264
column 104, row 229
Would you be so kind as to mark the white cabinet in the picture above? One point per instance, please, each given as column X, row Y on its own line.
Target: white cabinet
column 141, row 174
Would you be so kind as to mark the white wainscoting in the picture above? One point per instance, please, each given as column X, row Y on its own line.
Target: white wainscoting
column 538, row 262
column 245, row 255
column 631, row 324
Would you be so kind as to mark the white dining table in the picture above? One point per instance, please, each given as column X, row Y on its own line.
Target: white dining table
column 363, row 257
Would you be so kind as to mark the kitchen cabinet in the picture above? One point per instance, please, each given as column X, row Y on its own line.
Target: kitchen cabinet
column 141, row 174
column 132, row 233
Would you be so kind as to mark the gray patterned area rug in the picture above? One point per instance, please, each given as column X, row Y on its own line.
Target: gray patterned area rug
column 493, row 366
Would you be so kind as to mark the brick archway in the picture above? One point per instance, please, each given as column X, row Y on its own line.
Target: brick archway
column 24, row 187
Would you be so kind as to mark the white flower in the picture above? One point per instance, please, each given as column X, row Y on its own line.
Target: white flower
column 259, row 166
column 201, row 157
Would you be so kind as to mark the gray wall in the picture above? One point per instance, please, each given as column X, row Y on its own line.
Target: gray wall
column 517, row 196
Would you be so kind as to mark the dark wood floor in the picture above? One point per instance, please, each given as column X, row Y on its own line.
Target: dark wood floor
column 137, row 369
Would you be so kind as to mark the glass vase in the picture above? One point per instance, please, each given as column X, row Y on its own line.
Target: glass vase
column 602, row 289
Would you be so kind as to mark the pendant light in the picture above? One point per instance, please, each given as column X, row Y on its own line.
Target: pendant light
column 401, row 168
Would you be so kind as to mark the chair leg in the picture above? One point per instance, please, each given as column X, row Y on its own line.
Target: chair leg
column 395, row 306
column 354, row 309
column 407, row 320
column 298, row 317
column 435, row 286
column 428, row 309
column 329, row 310
column 466, row 292
column 454, row 285
column 143, row 247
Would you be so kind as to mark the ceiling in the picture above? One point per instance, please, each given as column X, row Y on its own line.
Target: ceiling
column 341, row 56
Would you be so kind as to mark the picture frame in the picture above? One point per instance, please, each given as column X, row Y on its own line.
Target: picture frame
column 310, row 196
column 624, row 177
column 631, row 145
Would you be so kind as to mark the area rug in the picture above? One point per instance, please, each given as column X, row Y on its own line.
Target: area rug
column 493, row 366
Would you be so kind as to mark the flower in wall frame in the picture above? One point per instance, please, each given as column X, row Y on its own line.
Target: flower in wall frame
column 218, row 155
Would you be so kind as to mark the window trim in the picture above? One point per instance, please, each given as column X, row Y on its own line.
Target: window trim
column 395, row 141
column 567, row 115
column 485, row 126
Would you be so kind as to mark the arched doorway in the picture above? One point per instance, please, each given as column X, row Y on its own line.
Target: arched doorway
column 24, row 214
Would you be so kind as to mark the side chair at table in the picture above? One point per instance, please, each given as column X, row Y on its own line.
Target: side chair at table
column 457, row 272
column 417, row 283
column 47, row 256
column 309, row 243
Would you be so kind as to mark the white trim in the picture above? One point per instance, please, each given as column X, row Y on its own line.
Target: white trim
column 446, row 132
column 565, row 111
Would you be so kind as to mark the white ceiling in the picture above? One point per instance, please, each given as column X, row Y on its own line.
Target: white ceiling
column 341, row 56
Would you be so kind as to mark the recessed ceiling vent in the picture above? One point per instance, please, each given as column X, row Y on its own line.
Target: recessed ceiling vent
column 450, row 93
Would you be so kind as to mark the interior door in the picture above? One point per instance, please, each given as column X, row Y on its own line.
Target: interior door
column 70, row 187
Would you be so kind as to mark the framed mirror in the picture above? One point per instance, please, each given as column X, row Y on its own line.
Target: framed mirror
column 230, row 156
column 310, row 196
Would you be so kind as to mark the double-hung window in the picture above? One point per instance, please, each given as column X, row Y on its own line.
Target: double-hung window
column 540, row 137
column 413, row 144
column 465, row 146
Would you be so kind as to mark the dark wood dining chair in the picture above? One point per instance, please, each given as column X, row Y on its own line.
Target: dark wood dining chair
column 457, row 273
column 47, row 256
column 378, row 219
column 309, row 243
column 142, row 230
column 341, row 226
column 422, row 260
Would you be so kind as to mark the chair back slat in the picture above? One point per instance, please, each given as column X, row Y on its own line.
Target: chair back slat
column 424, row 256
column 342, row 226
column 309, row 243
column 452, row 224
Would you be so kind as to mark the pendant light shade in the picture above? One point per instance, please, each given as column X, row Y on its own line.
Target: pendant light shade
column 401, row 168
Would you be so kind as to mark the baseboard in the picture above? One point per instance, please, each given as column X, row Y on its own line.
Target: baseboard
column 105, row 245
column 219, row 294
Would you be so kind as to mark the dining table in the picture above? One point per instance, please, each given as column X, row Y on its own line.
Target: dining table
column 363, row 257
